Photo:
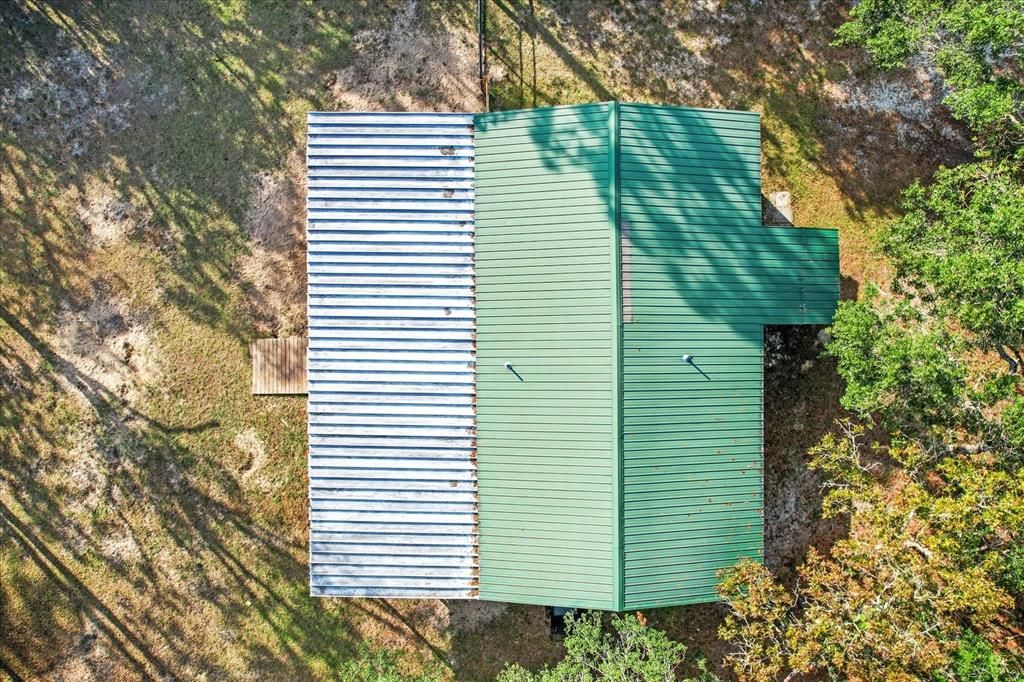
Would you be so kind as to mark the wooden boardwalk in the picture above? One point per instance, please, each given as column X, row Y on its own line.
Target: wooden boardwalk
column 279, row 366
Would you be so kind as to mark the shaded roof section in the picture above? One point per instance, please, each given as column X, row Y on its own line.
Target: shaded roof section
column 702, row 276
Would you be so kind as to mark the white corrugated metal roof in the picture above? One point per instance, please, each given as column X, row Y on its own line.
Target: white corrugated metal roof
column 392, row 473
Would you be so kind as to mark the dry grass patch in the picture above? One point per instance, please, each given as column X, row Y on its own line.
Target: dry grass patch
column 273, row 269
column 420, row 62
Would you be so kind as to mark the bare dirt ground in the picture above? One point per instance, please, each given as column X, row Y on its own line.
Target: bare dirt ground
column 402, row 67
column 273, row 270
column 152, row 512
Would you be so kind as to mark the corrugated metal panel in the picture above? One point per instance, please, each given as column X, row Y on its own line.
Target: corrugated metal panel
column 278, row 366
column 391, row 355
column 704, row 276
column 546, row 305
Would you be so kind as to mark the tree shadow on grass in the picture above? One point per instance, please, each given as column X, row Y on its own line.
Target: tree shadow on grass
column 221, row 562
column 775, row 57
column 177, row 107
column 174, row 108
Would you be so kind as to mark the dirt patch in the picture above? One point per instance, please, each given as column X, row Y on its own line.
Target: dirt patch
column 254, row 472
column 249, row 443
column 75, row 83
column 87, row 657
column 121, row 548
column 273, row 272
column 912, row 97
column 890, row 128
column 417, row 64
column 801, row 404
column 109, row 346
column 469, row 615
column 80, row 94
column 698, row 29
column 109, row 219
column 696, row 627
column 86, row 481
column 519, row 634
column 416, row 626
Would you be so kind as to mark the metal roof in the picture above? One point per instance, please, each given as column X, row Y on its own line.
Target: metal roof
column 392, row 474
column 704, row 276
column 546, row 302
column 613, row 241
column 602, row 328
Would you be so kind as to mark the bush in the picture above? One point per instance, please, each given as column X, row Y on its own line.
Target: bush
column 975, row 661
column 380, row 665
column 630, row 651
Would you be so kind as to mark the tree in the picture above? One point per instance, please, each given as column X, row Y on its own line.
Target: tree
column 959, row 250
column 897, row 363
column 958, row 289
column 977, row 45
column 930, row 470
column 631, row 652
column 929, row 562
column 933, row 567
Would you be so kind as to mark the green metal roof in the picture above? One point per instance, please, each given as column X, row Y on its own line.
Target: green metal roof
column 613, row 239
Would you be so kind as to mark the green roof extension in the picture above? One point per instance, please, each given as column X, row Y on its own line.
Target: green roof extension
column 623, row 280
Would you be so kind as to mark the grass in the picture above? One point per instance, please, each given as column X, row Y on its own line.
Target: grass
column 137, row 538
column 138, row 522
column 775, row 59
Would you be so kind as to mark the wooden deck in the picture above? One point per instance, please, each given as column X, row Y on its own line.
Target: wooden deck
column 279, row 366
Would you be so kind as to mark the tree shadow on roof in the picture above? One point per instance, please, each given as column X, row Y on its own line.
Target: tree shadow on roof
column 826, row 110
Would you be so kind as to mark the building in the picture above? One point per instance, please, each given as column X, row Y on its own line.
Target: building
column 535, row 351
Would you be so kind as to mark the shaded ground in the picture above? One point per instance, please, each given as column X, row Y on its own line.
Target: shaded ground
column 152, row 512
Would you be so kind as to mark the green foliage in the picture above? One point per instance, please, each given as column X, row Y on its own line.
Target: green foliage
column 1012, row 576
column 848, row 477
column 896, row 364
column 976, row 661
column 974, row 507
column 1013, row 423
column 380, row 665
column 925, row 561
column 975, row 44
column 959, row 249
column 758, row 621
column 631, row 651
